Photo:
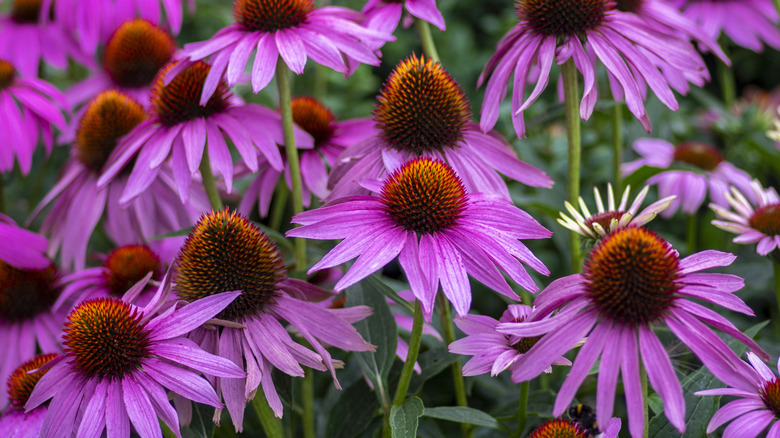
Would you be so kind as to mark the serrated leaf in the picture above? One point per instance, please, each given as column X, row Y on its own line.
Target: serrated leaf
column 460, row 414
column 379, row 329
column 353, row 411
column 404, row 418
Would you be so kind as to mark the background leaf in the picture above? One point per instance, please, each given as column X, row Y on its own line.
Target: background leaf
column 404, row 418
column 461, row 414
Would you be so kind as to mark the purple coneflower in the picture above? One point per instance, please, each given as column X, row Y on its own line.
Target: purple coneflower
column 27, row 321
column 27, row 37
column 753, row 221
column 423, row 112
column 632, row 51
column 756, row 407
column 179, row 128
column 133, row 56
column 122, row 268
column 119, row 361
column 749, row 23
column 93, row 21
column 709, row 170
column 292, row 29
column 607, row 220
column 329, row 138
column 21, row 248
column 562, row 428
column 633, row 280
column 384, row 15
column 226, row 252
column 459, row 233
column 494, row 352
column 79, row 203
column 15, row 422
column 29, row 107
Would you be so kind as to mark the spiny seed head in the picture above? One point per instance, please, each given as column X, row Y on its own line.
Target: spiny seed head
column 703, row 156
column 421, row 108
column 109, row 116
column 631, row 276
column 559, row 429
column 106, row 338
column 7, row 74
column 634, row 6
column 770, row 394
column 224, row 253
column 271, row 15
column 22, row 382
column 766, row 219
column 314, row 118
column 424, row 196
column 26, row 11
column 127, row 265
column 563, row 18
column 24, row 293
column 179, row 101
column 525, row 344
column 136, row 52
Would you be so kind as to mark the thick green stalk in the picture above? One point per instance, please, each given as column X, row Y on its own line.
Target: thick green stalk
column 291, row 150
column 414, row 348
column 777, row 6
column 426, row 39
column 279, row 206
column 693, row 224
column 727, row 84
column 776, row 272
column 272, row 426
column 457, row 376
column 617, row 146
column 307, row 389
column 643, row 382
column 208, row 182
column 522, row 409
column 571, row 96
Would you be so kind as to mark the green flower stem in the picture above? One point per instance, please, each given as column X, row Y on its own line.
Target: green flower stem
column 426, row 39
column 272, row 426
column 571, row 96
column 279, row 206
column 291, row 149
column 457, row 376
column 617, row 146
column 643, row 382
column 777, row 6
column 208, row 182
column 522, row 409
column 411, row 358
column 693, row 224
column 307, row 389
column 776, row 272
column 727, row 84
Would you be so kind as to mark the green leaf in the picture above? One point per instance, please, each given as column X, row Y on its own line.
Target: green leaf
column 461, row 414
column 432, row 362
column 201, row 425
column 353, row 411
column 638, row 178
column 378, row 329
column 375, row 283
column 404, row 418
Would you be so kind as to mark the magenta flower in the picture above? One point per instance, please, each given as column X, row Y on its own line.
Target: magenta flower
column 79, row 203
column 753, row 221
column 134, row 54
column 710, row 172
column 318, row 151
column 93, row 21
column 119, row 361
column 749, row 23
column 632, row 51
column 292, row 29
column 459, row 233
column 757, row 405
column 29, row 108
column 384, row 15
column 606, row 220
column 494, row 352
column 179, row 129
column 632, row 281
column 423, row 112
column 226, row 252
column 21, row 248
column 14, row 422
column 27, row 37
column 27, row 321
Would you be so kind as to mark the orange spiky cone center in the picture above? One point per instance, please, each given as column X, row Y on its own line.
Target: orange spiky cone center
column 136, row 52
